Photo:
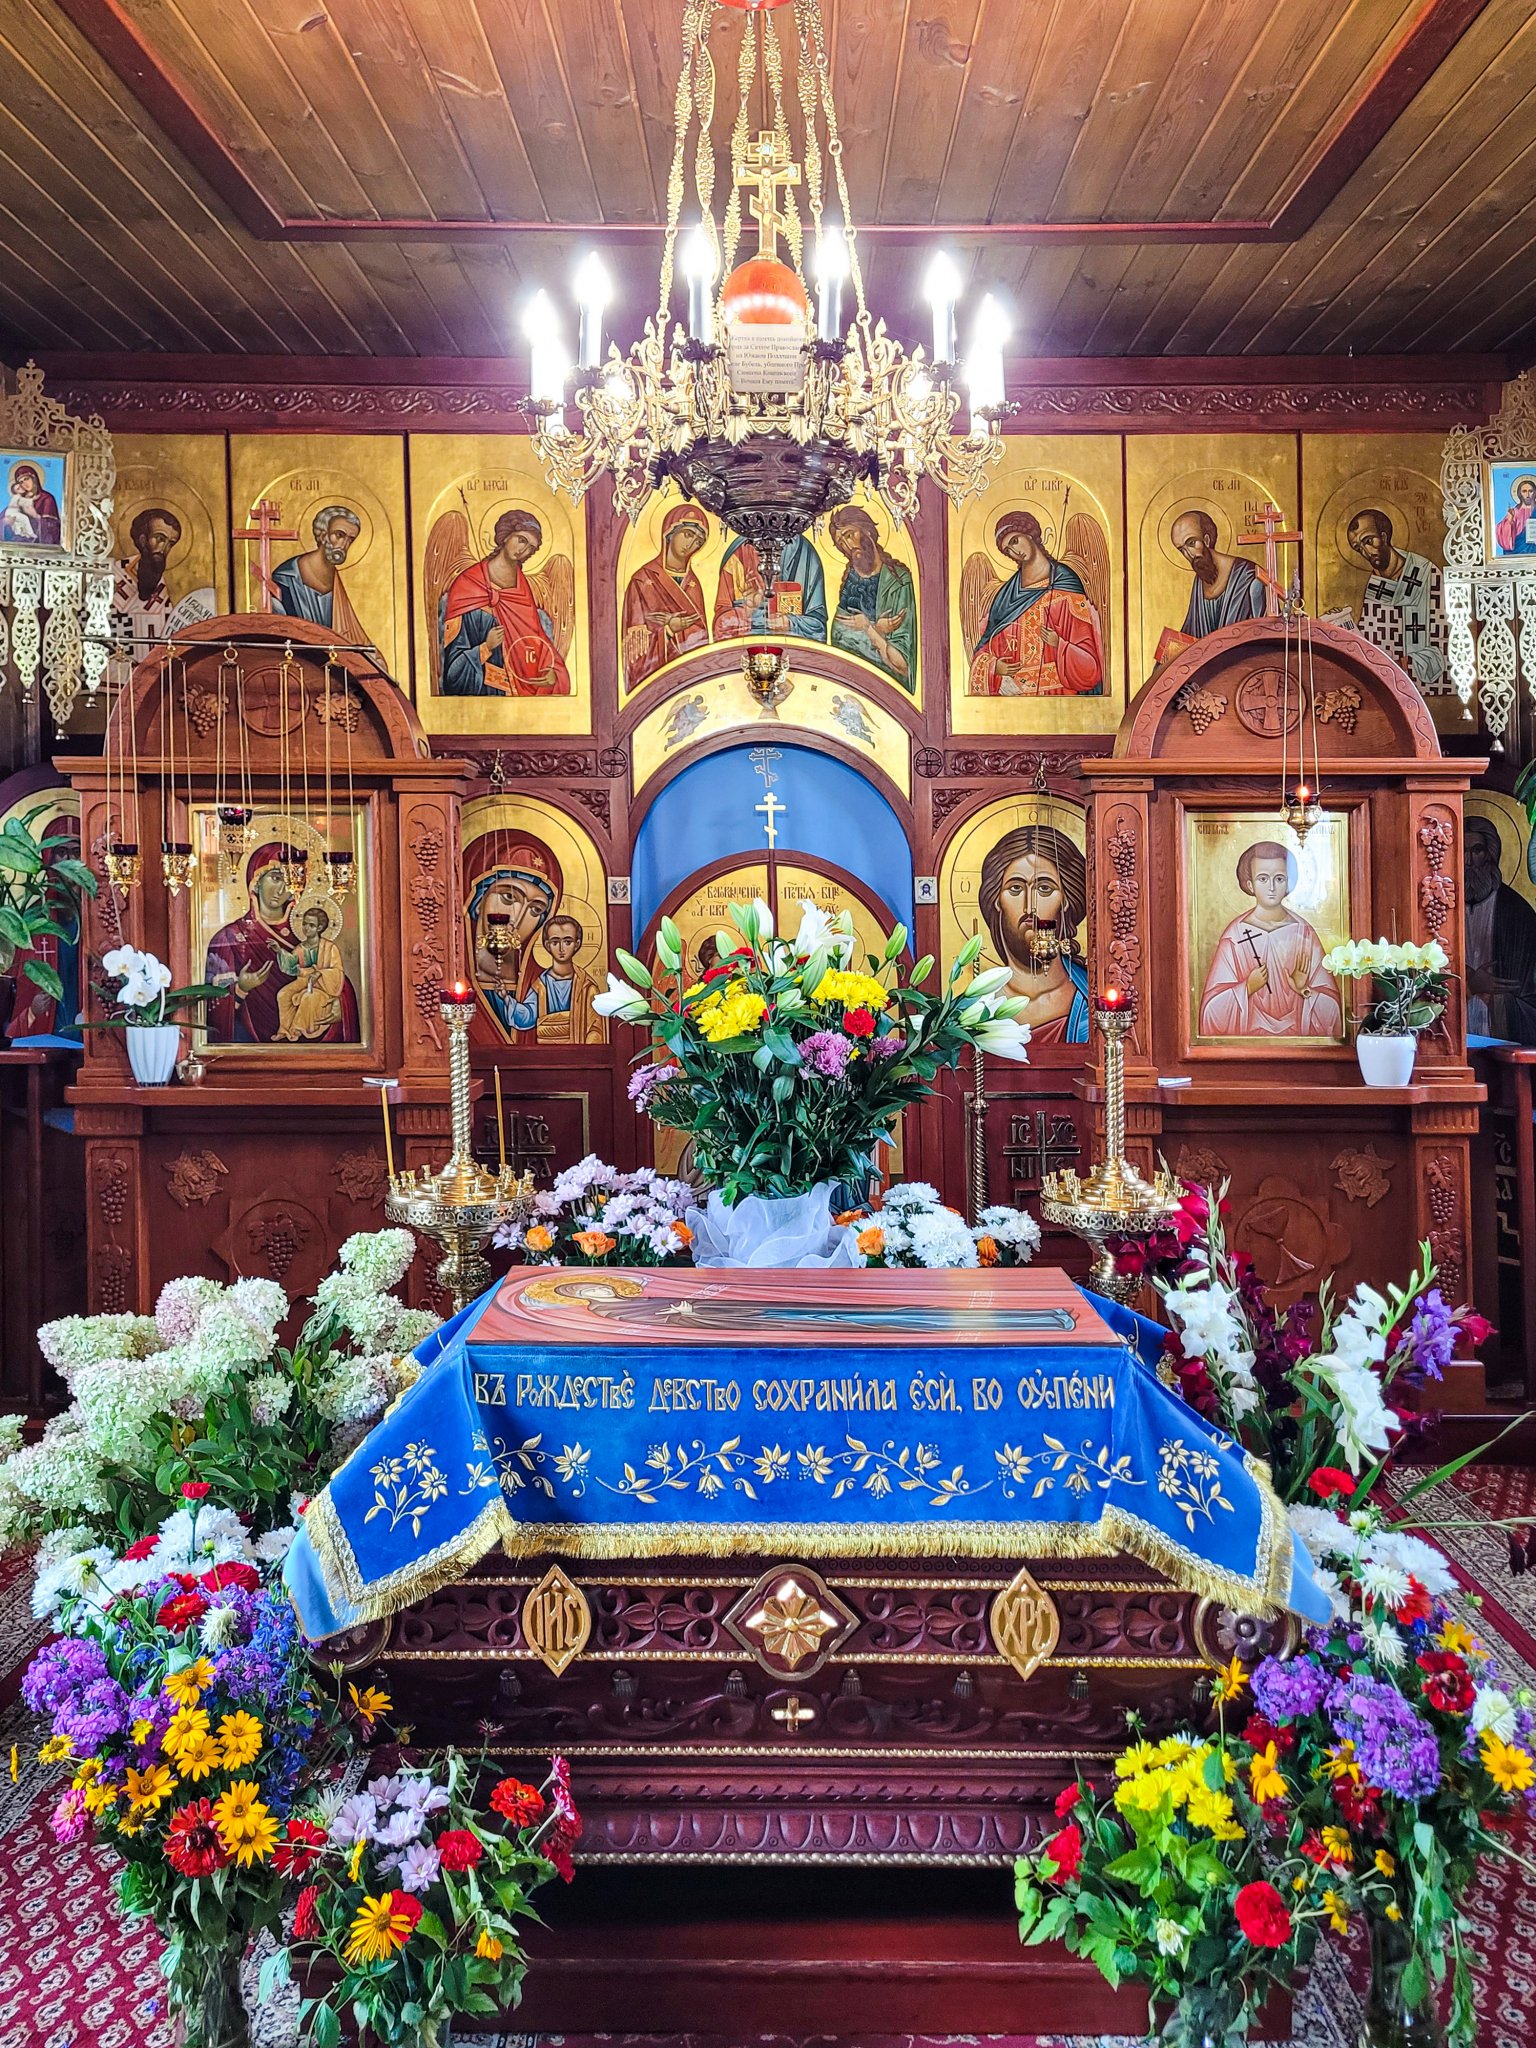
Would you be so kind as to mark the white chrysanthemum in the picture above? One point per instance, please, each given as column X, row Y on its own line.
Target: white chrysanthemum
column 79, row 1572
column 1324, row 1533
column 580, row 1179
column 1384, row 1642
column 76, row 1341
column 219, row 1627
column 181, row 1304
column 1012, row 1227
column 1170, row 1936
column 1381, row 1579
column 1414, row 1556
column 910, row 1194
column 1493, row 1713
column 274, row 1546
column 940, row 1238
column 379, row 1258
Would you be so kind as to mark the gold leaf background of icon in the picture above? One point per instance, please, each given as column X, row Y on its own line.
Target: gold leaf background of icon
column 185, row 474
column 489, row 828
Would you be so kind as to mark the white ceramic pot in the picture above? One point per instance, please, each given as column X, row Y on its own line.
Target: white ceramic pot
column 1386, row 1061
column 152, row 1051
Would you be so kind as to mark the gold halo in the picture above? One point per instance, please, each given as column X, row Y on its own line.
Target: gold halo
column 317, row 899
column 1226, row 533
column 555, row 1293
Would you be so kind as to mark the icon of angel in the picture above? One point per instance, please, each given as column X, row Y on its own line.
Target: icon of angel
column 1037, row 632
column 501, row 631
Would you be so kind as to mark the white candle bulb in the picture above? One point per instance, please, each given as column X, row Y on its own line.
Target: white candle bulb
column 699, row 267
column 831, row 274
column 984, row 366
column 942, row 286
column 594, row 289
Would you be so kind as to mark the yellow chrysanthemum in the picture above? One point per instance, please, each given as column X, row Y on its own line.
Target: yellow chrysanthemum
column 377, row 1931
column 1336, row 1841
column 1177, row 1749
column 257, row 1841
column 488, row 1947
column 141, row 1731
column 1213, row 1811
column 1141, row 1795
column 735, row 1013
column 1337, row 1911
column 197, row 1757
column 240, row 1738
column 1509, row 1766
column 238, row 1812
column 851, row 991
column 56, row 1750
column 1265, row 1780
column 148, row 1790
column 187, row 1686
column 1386, row 1863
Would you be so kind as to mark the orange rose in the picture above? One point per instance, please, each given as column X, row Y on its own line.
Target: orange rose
column 987, row 1252
column 871, row 1242
column 539, row 1239
column 595, row 1244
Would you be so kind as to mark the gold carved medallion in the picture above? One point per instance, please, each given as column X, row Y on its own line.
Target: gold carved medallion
column 1025, row 1625
column 556, row 1620
column 791, row 1620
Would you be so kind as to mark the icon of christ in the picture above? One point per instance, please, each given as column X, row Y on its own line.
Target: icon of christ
column 1266, row 978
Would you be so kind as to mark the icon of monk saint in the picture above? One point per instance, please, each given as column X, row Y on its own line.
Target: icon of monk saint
column 1266, row 978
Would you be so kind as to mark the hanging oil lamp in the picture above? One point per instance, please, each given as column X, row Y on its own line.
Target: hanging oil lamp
column 341, row 874
column 1302, row 810
column 498, row 943
column 296, row 872
column 236, row 835
column 125, row 865
column 177, row 862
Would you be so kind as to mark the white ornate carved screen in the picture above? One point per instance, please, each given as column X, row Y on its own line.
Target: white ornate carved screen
column 56, row 569
column 1490, row 604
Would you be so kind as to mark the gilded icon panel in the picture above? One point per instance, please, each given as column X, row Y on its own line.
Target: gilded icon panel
column 1036, row 596
column 48, row 815
column 1500, row 898
column 536, row 923
column 335, row 535
column 849, row 582
column 290, row 954
column 36, row 510
column 1017, row 872
column 720, row 703
column 170, row 519
column 1375, row 525
column 1264, row 910
column 501, row 590
column 1196, row 506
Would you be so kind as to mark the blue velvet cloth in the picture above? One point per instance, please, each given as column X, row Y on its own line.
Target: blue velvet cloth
column 981, row 1449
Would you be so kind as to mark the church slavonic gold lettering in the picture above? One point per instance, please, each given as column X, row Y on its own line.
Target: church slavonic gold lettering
column 1063, row 1390
column 686, row 1396
column 852, row 1396
column 932, row 1396
column 491, row 1389
column 573, row 1390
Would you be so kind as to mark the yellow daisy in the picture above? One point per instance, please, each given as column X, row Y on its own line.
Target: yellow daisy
column 1508, row 1765
column 238, row 1812
column 99, row 1797
column 1337, row 1911
column 187, row 1686
column 149, row 1789
column 488, row 1948
column 370, row 1703
column 196, row 1758
column 1336, row 1841
column 377, row 1931
column 1264, row 1778
column 1394, row 1911
column 140, row 1732
column 188, row 1725
column 257, row 1840
column 1230, row 1680
column 1141, row 1757
column 240, row 1739
column 1386, row 1863
column 56, row 1750
column 86, row 1770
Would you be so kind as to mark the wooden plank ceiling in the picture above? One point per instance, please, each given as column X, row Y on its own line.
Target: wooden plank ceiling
column 1133, row 176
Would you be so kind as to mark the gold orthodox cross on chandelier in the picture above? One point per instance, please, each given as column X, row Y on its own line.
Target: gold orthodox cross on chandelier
column 264, row 529
column 1272, row 519
column 767, row 164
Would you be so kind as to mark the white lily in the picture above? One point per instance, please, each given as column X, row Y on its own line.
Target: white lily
column 619, row 1000
column 1004, row 1037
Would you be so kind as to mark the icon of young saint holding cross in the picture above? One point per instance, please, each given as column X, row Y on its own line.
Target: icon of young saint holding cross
column 1266, row 978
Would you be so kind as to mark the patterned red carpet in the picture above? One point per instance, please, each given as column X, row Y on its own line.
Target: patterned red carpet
column 73, row 1975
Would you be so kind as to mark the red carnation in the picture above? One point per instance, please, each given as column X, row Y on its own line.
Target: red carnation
column 407, row 1906
column 1447, row 1682
column 194, row 1489
column 192, row 1842
column 245, row 1576
column 301, row 1844
column 459, row 1849
column 1066, row 1799
column 136, row 1552
column 1066, row 1852
column 1329, row 1482
column 859, row 1023
column 519, row 1803
column 306, row 1921
column 1417, row 1606
column 181, row 1610
column 558, row 1854
column 1262, row 1915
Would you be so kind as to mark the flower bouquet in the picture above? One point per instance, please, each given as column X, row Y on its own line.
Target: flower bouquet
column 203, row 1389
column 594, row 1215
column 1410, row 990
column 143, row 1006
column 787, row 1066
column 413, row 1891
column 183, row 1704
column 912, row 1227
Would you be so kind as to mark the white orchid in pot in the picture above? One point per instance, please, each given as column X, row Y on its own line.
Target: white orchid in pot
column 1410, row 989
column 787, row 1066
column 144, row 1007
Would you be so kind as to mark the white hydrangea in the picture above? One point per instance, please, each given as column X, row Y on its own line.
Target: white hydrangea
column 270, row 1395
column 76, row 1341
column 379, row 1258
column 180, row 1305
column 230, row 1337
column 263, row 1303
column 353, row 1388
column 414, row 1326
column 116, row 1400
column 57, row 1479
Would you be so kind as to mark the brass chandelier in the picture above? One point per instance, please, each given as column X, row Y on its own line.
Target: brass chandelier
column 765, row 410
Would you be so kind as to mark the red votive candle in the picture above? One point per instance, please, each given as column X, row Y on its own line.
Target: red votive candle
column 1114, row 999
column 457, row 992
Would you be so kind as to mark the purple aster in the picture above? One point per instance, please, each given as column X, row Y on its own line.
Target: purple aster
column 1428, row 1344
column 887, row 1045
column 94, row 1715
column 827, row 1053
column 644, row 1081
column 1393, row 1747
column 1289, row 1691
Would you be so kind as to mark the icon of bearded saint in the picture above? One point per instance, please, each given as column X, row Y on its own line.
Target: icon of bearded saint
column 498, row 630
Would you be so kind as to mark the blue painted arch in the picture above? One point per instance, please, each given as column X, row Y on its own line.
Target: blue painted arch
column 830, row 813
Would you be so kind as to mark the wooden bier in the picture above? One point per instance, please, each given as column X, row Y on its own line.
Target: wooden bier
column 276, row 1157
column 1326, row 1175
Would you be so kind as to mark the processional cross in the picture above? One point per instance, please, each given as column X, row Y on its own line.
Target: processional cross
column 1272, row 519
column 767, row 164
column 264, row 530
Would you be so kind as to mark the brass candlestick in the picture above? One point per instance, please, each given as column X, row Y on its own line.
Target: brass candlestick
column 463, row 1202
column 1114, row 1201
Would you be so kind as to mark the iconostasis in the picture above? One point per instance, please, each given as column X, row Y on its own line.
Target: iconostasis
column 955, row 673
